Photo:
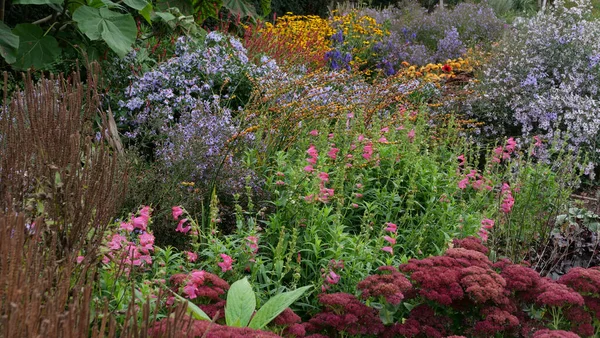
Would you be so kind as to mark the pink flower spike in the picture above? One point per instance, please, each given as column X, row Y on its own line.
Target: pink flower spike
column 332, row 278
column 309, row 169
column 391, row 227
column 127, row 226
column 385, row 129
column 390, row 240
column 180, row 227
column 461, row 159
column 80, row 259
column 411, row 135
column 483, row 234
column 382, row 139
column 388, row 249
column 225, row 265
column 487, row 223
column 140, row 222
column 177, row 211
column 324, row 177
column 312, row 151
column 462, row 184
column 192, row 257
column 333, row 153
column 314, row 132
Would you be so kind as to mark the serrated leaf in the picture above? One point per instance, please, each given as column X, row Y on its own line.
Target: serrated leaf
column 274, row 306
column 241, row 8
column 37, row 2
column 35, row 49
column 241, row 303
column 117, row 30
column 9, row 44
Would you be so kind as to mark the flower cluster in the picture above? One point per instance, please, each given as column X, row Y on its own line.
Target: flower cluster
column 388, row 284
column 203, row 287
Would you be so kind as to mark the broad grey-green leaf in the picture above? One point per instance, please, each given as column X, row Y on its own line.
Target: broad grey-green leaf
column 274, row 306
column 9, row 43
column 117, row 30
column 136, row 4
column 165, row 16
column 193, row 309
column 37, row 2
column 146, row 13
column 35, row 49
column 241, row 303
column 242, row 8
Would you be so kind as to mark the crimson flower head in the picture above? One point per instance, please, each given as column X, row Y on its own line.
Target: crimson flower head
column 547, row 333
column 559, row 295
column 388, row 284
column 447, row 68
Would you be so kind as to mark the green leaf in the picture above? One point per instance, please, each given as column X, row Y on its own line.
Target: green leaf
column 117, row 30
column 165, row 16
column 35, row 49
column 136, row 4
column 146, row 13
column 274, row 306
column 37, row 2
column 265, row 6
column 193, row 309
column 241, row 303
column 9, row 44
column 240, row 7
column 205, row 9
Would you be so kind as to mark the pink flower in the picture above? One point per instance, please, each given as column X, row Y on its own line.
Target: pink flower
column 350, row 115
column 538, row 141
column 314, row 132
column 279, row 174
column 354, row 205
column 309, row 198
column 483, row 234
column 462, row 184
column 382, row 139
column 361, row 137
column 192, row 257
column 487, row 223
column 312, row 160
column 411, row 135
column 309, row 169
column 333, row 153
column 507, row 203
column 225, row 265
column 385, row 129
column 253, row 243
column 472, row 174
column 330, row 136
column 324, row 177
column 388, row 249
column 180, row 227
column 140, row 222
column 313, row 153
column 279, row 183
column 400, row 128
column 332, row 278
column 177, row 211
column 127, row 226
column 511, row 145
column 391, row 227
column 477, row 184
column 358, row 185
column 190, row 290
column 80, row 259
column 390, row 240
column 461, row 159
column 352, row 146
column 358, row 195
column 368, row 151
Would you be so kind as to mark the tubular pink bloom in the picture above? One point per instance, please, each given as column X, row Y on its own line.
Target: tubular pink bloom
column 483, row 234
column 505, row 187
column 368, row 151
column 314, row 132
column 80, row 259
column 333, row 153
column 140, row 222
column 487, row 223
column 361, row 137
column 127, row 226
column 385, row 129
column 462, row 184
column 332, row 278
column 498, row 151
column 309, row 169
column 391, row 227
column 388, row 249
column 309, row 198
column 312, row 160
column 461, row 160
column 312, row 151
column 400, row 128
column 352, row 146
column 495, row 159
column 177, row 211
column 350, row 115
column 146, row 239
column 191, row 256
column 477, row 184
column 253, row 243
column 330, row 136
column 391, row 240
column 511, row 145
column 358, row 195
column 197, row 277
column 538, row 141
column 279, row 182
column 507, row 203
column 359, row 185
column 225, row 265
column 180, row 227
column 411, row 135
column 324, row 177
column 472, row 174
column 382, row 139
column 354, row 205
column 190, row 290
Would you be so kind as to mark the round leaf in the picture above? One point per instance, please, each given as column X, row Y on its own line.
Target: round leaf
column 35, row 49
column 117, row 30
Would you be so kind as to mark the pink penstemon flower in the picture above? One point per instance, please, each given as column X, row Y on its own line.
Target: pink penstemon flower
column 388, row 249
column 226, row 264
column 462, row 184
column 368, row 151
column 191, row 256
column 391, row 227
column 309, row 169
column 390, row 240
column 324, row 177
column 313, row 153
column 177, row 211
column 332, row 153
column 253, row 243
column 411, row 135
column 314, row 132
column 180, row 227
column 461, row 160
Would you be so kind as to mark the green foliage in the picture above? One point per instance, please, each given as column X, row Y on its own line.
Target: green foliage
column 9, row 43
column 35, row 49
column 274, row 306
column 117, row 30
column 241, row 303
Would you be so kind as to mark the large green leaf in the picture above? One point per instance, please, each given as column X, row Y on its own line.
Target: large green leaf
column 117, row 30
column 204, row 9
column 37, row 2
column 240, row 7
column 146, row 13
column 35, row 49
column 241, row 303
column 9, row 43
column 274, row 306
column 136, row 4
column 193, row 309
